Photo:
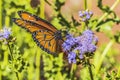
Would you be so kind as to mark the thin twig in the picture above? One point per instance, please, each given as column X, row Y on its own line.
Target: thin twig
column 10, row 50
column 17, row 75
column 12, row 59
column 90, row 70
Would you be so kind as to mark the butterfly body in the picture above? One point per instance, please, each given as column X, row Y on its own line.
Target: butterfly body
column 44, row 34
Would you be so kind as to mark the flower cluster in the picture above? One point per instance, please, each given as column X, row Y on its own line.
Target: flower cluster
column 80, row 45
column 5, row 33
column 85, row 15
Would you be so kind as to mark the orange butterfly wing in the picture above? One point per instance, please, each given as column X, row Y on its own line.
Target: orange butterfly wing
column 30, row 17
column 43, row 33
column 28, row 25
column 47, row 42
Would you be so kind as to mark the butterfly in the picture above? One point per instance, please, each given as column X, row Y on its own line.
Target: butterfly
column 46, row 36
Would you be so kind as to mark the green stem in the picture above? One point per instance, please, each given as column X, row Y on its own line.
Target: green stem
column 85, row 4
column 38, row 62
column 86, row 25
column 10, row 51
column 106, row 14
column 1, row 13
column 0, row 73
column 108, row 47
column 90, row 70
column 72, row 71
column 12, row 59
column 17, row 75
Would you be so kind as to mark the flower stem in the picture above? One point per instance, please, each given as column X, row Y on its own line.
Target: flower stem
column 103, row 55
column 12, row 59
column 17, row 75
column 1, row 2
column 10, row 51
column 85, row 4
column 106, row 14
column 90, row 70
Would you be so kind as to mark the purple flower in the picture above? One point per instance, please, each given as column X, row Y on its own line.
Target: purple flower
column 1, row 36
column 86, row 39
column 91, row 48
column 90, row 12
column 88, row 17
column 84, row 43
column 67, row 45
column 72, row 57
column 5, row 33
column 85, row 15
column 81, row 14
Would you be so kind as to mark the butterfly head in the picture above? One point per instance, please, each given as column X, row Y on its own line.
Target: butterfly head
column 63, row 32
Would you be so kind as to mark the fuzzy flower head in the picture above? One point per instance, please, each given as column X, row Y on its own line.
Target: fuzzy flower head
column 86, row 43
column 69, row 43
column 85, row 15
column 72, row 57
column 5, row 33
column 79, row 46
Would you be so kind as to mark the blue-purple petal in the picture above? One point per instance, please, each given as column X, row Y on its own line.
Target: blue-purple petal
column 85, row 44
